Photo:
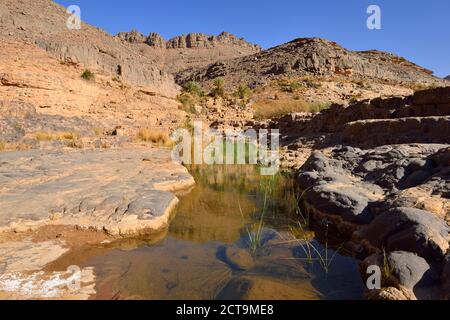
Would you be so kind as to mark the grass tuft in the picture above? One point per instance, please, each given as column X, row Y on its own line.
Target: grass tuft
column 268, row 109
column 55, row 136
column 155, row 136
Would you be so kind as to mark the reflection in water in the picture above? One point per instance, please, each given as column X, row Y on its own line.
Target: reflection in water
column 206, row 253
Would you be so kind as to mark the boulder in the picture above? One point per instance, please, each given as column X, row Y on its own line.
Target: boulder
column 345, row 201
column 400, row 268
column 408, row 229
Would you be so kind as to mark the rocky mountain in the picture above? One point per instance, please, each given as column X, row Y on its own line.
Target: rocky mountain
column 447, row 78
column 193, row 50
column 190, row 41
column 311, row 57
column 42, row 22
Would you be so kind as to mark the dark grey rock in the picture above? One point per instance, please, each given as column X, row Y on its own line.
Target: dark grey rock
column 437, row 95
column 407, row 267
column 445, row 278
column 346, row 202
column 400, row 268
column 410, row 230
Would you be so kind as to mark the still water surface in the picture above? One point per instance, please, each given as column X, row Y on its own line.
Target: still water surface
column 236, row 235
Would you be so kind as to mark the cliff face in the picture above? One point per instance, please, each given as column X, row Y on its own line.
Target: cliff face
column 189, row 41
column 193, row 50
column 43, row 22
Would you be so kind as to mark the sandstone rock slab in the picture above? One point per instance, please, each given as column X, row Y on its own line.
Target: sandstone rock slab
column 120, row 191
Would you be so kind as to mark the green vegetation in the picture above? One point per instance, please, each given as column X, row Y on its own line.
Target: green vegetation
column 255, row 232
column 193, row 88
column 87, row 75
column 243, row 92
column 314, row 253
column 191, row 96
column 290, row 86
column 188, row 102
column 219, row 88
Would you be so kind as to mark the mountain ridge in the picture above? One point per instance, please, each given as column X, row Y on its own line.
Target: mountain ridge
column 310, row 56
column 189, row 40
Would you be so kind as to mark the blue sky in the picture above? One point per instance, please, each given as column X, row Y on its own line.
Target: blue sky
column 416, row 29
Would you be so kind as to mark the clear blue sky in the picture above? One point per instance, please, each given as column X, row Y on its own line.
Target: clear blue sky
column 416, row 29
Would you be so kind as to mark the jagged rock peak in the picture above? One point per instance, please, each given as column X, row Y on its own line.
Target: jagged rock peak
column 201, row 40
column 156, row 40
column 133, row 36
column 186, row 41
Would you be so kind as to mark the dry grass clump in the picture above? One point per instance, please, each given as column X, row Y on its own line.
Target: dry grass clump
column 268, row 109
column 421, row 86
column 55, row 136
column 155, row 136
column 14, row 146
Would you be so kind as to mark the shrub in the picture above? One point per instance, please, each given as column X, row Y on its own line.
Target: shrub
column 219, row 88
column 188, row 102
column 194, row 88
column 2, row 146
column 292, row 86
column 87, row 75
column 243, row 92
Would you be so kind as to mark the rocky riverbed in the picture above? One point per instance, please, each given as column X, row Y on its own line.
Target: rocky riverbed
column 55, row 201
column 379, row 173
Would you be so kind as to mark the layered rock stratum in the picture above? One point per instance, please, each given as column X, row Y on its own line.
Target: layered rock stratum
column 43, row 23
column 380, row 176
column 193, row 50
